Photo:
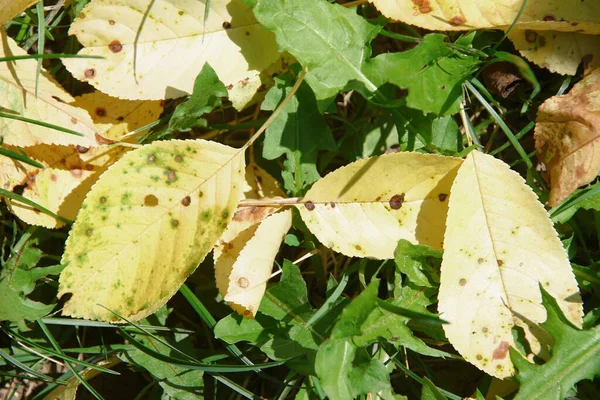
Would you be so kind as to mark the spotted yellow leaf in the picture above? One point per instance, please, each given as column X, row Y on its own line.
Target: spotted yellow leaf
column 244, row 265
column 499, row 246
column 50, row 106
column 364, row 208
column 61, row 186
column 172, row 45
column 114, row 117
column 146, row 225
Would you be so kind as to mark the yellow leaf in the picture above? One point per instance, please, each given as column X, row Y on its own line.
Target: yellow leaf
column 364, row 208
column 17, row 85
column 10, row 8
column 173, row 45
column 560, row 52
column 60, row 187
column 115, row 117
column 451, row 15
column 244, row 265
column 498, row 246
column 146, row 225
column 567, row 135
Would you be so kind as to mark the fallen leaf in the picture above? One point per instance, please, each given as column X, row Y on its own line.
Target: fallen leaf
column 364, row 208
column 10, row 8
column 50, row 106
column 114, row 117
column 146, row 225
column 244, row 265
column 499, row 246
column 173, row 45
column 567, row 134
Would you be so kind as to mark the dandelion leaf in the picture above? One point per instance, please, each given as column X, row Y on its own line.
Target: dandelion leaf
column 146, row 225
column 567, row 134
column 154, row 49
column 50, row 106
column 364, row 208
column 499, row 246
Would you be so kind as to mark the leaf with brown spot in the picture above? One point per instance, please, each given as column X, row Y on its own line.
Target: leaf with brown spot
column 114, row 117
column 244, row 264
column 499, row 243
column 138, row 254
column 567, row 135
column 61, row 186
column 380, row 200
column 173, row 44
column 52, row 104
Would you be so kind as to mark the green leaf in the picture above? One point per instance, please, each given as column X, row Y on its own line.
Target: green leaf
column 421, row 264
column 328, row 39
column 299, row 132
column 354, row 315
column 178, row 382
column 346, row 371
column 208, row 90
column 430, row 391
column 575, row 357
column 431, row 72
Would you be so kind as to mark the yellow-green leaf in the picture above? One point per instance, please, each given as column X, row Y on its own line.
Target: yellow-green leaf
column 499, row 246
column 244, row 265
column 364, row 208
column 172, row 45
column 50, row 106
column 146, row 225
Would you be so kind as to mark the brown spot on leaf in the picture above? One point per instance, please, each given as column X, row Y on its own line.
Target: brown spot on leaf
column 479, row 357
column 309, row 205
column 462, row 282
column 457, row 20
column 243, row 282
column 174, row 223
column 332, row 204
column 484, row 329
column 76, row 172
column 89, row 232
column 423, row 5
column 171, row 175
column 53, row 178
column 396, row 201
column 357, row 247
column 115, row 46
column 500, row 263
column 178, row 159
column 226, row 25
column 89, row 73
column 111, row 22
column 102, row 199
column 230, row 86
column 100, row 111
column 500, row 351
column 442, row 197
column 151, row 200
column 74, row 120
column 82, row 149
column 102, row 140
column 186, row 201
column 480, row 260
column 530, row 36
column 151, row 158
column 549, row 17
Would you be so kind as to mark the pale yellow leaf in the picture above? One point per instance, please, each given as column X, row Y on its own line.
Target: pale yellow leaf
column 567, row 136
column 172, row 46
column 10, row 8
column 244, row 265
column 364, row 208
column 499, row 246
column 447, row 15
column 61, row 186
column 18, row 85
column 146, row 225
column 560, row 52
column 114, row 117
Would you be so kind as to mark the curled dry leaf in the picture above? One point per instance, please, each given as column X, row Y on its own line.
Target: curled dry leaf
column 246, row 234
column 364, row 208
column 499, row 246
column 51, row 105
column 172, row 45
column 114, row 117
column 244, row 265
column 555, row 35
column 146, row 225
column 567, row 136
